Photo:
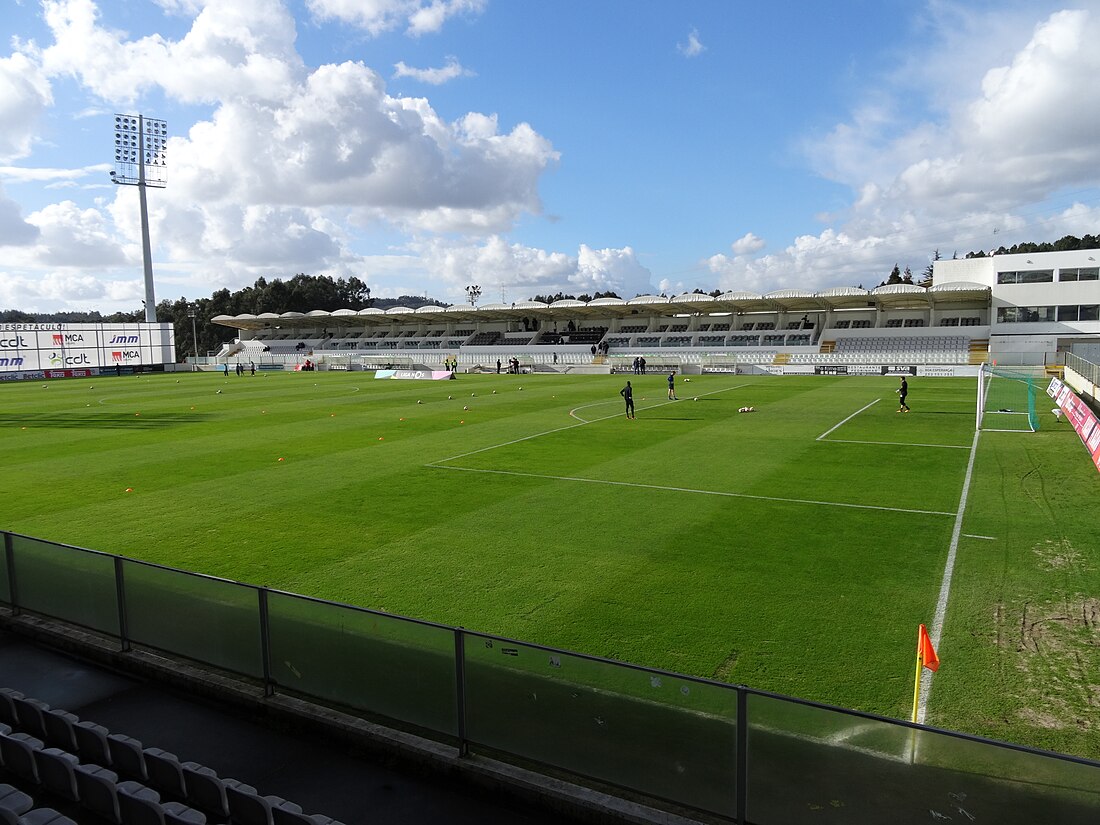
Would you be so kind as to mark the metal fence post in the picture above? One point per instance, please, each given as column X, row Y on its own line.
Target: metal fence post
column 742, row 777
column 120, row 598
column 9, row 555
column 460, row 690
column 265, row 643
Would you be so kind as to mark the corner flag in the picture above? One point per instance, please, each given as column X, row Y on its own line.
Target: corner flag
column 926, row 658
column 925, row 652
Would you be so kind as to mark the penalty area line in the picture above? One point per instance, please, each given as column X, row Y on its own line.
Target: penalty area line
column 893, row 443
column 846, row 420
column 693, row 490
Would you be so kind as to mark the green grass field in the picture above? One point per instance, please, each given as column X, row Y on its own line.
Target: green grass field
column 795, row 549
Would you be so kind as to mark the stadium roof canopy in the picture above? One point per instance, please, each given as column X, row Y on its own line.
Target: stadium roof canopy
column 892, row 296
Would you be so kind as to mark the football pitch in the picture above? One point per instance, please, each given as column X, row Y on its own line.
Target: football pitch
column 794, row 549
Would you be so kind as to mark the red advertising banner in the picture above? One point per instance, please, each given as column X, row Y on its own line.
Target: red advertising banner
column 1078, row 414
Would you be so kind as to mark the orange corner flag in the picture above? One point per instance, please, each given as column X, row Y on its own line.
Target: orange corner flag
column 925, row 652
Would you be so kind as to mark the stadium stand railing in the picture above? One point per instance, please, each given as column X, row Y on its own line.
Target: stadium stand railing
column 670, row 739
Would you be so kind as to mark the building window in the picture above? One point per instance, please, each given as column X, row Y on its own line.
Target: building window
column 1082, row 312
column 1025, row 315
column 1026, row 276
column 1084, row 273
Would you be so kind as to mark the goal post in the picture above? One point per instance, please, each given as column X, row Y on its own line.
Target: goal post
column 1006, row 400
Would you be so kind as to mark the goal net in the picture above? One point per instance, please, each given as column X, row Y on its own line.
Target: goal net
column 1006, row 400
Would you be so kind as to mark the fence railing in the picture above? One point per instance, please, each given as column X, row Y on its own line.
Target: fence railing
column 741, row 754
column 1083, row 367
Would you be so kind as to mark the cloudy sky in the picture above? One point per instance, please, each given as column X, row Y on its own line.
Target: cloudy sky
column 537, row 146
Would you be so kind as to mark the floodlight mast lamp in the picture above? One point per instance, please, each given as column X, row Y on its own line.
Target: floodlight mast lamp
column 472, row 294
column 140, row 162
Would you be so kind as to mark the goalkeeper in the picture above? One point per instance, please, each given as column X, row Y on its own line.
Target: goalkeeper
column 903, row 391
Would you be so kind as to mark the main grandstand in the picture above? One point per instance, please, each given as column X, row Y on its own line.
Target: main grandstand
column 1014, row 309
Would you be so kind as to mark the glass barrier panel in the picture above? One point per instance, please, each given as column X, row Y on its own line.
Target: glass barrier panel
column 804, row 761
column 666, row 736
column 73, row 585
column 387, row 665
column 5, row 585
column 208, row 620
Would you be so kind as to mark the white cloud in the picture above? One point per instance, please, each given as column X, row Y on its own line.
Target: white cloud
column 984, row 167
column 1032, row 127
column 377, row 16
column 14, row 231
column 71, row 236
column 23, row 174
column 24, row 95
column 435, row 77
column 235, row 48
column 340, row 140
column 693, row 47
column 747, row 244
column 521, row 272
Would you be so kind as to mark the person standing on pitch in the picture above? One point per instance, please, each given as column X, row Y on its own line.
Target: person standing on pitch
column 672, row 386
column 903, row 391
column 628, row 396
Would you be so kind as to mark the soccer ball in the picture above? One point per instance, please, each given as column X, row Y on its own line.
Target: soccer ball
column 696, row 398
column 418, row 401
column 473, row 395
column 465, row 408
column 687, row 380
column 449, row 397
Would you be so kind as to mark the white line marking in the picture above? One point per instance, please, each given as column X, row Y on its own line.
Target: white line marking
column 849, row 418
column 692, row 490
column 936, row 631
column 972, row 536
column 894, row 443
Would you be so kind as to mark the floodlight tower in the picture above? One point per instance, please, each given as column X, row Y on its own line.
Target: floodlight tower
column 139, row 161
column 472, row 294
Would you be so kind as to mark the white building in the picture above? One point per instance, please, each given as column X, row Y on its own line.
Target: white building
column 1042, row 303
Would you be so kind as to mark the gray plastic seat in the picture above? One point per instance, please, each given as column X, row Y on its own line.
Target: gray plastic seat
column 14, row 800
column 45, row 816
column 59, row 729
column 140, row 807
column 7, row 706
column 165, row 773
column 247, row 807
column 91, row 743
column 176, row 813
column 57, row 770
column 29, row 714
column 283, row 816
column 127, row 756
column 17, row 753
column 205, row 790
column 100, row 789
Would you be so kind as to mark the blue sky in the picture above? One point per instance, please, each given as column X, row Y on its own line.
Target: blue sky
column 536, row 147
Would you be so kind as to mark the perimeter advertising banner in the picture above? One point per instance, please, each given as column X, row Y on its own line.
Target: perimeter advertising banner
column 1078, row 414
column 34, row 347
